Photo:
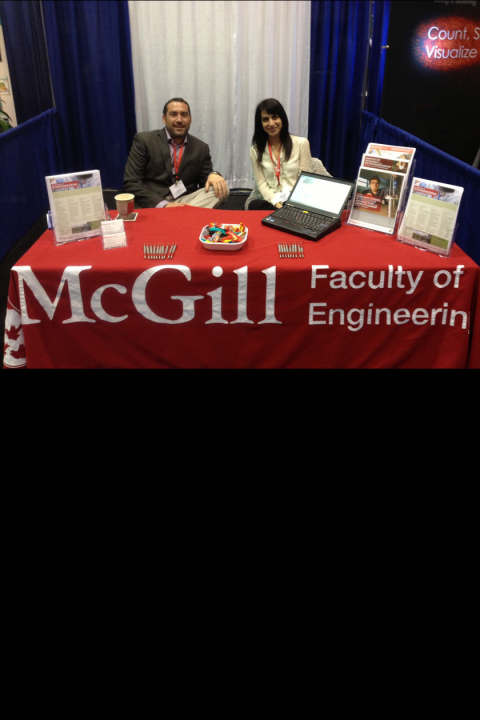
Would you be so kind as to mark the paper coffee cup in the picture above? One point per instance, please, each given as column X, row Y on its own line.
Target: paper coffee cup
column 125, row 202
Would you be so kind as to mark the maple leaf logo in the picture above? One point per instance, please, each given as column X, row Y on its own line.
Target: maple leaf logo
column 12, row 333
column 19, row 354
column 14, row 344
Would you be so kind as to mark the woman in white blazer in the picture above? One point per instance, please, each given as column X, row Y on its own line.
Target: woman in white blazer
column 277, row 157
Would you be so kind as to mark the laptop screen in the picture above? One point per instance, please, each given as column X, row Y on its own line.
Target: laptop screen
column 321, row 193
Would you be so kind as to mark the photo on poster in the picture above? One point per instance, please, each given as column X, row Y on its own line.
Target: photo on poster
column 378, row 192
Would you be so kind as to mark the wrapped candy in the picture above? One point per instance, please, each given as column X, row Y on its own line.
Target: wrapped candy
column 225, row 233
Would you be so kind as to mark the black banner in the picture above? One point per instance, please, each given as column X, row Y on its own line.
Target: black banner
column 432, row 73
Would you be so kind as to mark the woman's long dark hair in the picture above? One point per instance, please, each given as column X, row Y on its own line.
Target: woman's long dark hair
column 260, row 137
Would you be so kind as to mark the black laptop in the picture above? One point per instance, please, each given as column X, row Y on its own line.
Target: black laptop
column 314, row 207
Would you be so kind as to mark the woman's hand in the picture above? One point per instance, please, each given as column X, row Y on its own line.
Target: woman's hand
column 278, row 205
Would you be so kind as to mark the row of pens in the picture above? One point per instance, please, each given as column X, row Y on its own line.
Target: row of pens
column 158, row 252
column 290, row 250
column 166, row 252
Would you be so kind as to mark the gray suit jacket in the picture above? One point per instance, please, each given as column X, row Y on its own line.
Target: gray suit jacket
column 149, row 174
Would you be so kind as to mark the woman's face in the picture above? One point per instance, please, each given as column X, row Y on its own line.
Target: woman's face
column 272, row 124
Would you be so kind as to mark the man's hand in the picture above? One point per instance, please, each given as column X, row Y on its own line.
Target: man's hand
column 219, row 185
column 278, row 205
column 172, row 205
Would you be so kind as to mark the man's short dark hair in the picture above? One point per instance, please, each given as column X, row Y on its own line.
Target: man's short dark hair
column 374, row 177
column 176, row 100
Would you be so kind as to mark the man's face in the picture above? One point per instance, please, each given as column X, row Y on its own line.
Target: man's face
column 177, row 120
column 374, row 185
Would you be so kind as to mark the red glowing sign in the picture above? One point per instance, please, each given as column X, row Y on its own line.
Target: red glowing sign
column 447, row 43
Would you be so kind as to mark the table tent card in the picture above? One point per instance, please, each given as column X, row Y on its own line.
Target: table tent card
column 76, row 205
column 380, row 187
column 430, row 216
column 113, row 234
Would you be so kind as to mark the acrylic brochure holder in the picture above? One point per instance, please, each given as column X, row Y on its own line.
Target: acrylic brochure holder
column 391, row 199
column 78, row 211
column 405, row 196
column 429, row 218
column 107, row 219
column 381, row 188
column 76, row 205
column 422, row 241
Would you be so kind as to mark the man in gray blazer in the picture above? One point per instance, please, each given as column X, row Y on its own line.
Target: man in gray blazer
column 170, row 168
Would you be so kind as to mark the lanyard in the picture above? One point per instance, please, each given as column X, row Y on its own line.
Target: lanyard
column 177, row 160
column 277, row 168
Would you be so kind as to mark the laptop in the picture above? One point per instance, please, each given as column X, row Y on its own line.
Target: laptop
column 314, row 207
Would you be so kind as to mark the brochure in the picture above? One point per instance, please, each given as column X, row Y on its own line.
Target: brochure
column 380, row 186
column 390, row 152
column 401, row 166
column 76, row 204
column 430, row 216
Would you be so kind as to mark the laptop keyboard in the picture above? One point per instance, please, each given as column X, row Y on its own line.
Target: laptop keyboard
column 309, row 220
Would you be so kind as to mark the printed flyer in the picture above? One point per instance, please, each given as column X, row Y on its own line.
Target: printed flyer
column 76, row 204
column 431, row 215
column 390, row 152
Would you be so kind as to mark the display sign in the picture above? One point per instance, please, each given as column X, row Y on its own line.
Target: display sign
column 432, row 73
column 447, row 43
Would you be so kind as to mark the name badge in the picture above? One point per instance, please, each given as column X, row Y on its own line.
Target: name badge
column 280, row 196
column 177, row 189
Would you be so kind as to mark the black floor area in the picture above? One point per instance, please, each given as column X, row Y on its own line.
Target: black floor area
column 236, row 201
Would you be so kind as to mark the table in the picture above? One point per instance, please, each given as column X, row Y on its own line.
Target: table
column 357, row 299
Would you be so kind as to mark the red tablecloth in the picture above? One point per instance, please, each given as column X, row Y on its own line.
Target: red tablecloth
column 358, row 299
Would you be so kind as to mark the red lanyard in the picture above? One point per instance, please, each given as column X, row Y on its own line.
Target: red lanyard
column 277, row 168
column 177, row 160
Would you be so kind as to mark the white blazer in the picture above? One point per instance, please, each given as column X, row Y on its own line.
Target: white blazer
column 264, row 174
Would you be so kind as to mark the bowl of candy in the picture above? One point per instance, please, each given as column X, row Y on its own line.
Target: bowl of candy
column 222, row 236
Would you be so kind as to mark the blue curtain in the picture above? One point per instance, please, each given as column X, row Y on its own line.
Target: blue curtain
column 89, row 50
column 29, row 152
column 27, row 57
column 376, row 63
column 434, row 164
column 340, row 35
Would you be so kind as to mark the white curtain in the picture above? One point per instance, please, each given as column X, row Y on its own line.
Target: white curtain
column 223, row 58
